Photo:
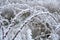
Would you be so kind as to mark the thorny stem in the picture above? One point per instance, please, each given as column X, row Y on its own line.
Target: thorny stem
column 3, row 33
column 16, row 35
column 7, row 31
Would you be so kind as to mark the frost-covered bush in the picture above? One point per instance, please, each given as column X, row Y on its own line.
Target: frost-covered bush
column 7, row 13
column 29, row 20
